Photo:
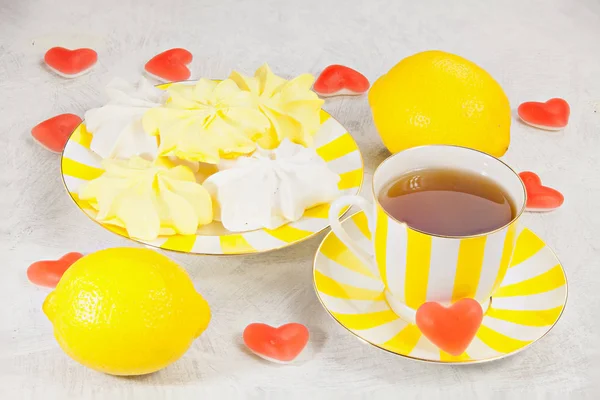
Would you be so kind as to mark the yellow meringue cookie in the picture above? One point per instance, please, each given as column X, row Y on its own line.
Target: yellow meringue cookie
column 201, row 170
column 206, row 121
column 147, row 199
column 292, row 107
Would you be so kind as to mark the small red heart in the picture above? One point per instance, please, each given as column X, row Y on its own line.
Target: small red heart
column 170, row 65
column 450, row 328
column 54, row 133
column 539, row 197
column 70, row 63
column 48, row 272
column 281, row 344
column 552, row 115
column 337, row 80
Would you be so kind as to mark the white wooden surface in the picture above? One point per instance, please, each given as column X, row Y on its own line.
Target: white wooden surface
column 536, row 49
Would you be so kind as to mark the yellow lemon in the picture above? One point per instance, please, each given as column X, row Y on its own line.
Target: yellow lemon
column 435, row 97
column 126, row 311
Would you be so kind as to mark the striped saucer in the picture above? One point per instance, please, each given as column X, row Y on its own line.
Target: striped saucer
column 527, row 305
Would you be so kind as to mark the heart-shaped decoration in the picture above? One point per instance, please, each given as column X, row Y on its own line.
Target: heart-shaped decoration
column 170, row 65
column 54, row 133
column 70, row 63
column 450, row 328
column 539, row 197
column 281, row 344
column 552, row 115
column 338, row 80
column 48, row 272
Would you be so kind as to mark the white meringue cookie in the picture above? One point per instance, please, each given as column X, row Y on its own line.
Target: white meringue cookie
column 116, row 127
column 271, row 187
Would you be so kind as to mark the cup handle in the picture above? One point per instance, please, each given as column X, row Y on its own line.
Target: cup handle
column 334, row 211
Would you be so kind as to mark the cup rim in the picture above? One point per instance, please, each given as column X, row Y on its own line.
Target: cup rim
column 512, row 221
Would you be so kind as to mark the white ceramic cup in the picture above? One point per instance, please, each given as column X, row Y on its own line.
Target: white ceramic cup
column 418, row 267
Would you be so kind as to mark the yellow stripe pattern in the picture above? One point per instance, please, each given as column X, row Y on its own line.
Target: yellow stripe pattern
column 336, row 251
column 466, row 263
column 335, row 143
column 381, row 233
column 450, row 358
column 362, row 224
column 289, row 234
column 365, row 321
column 528, row 244
column 349, row 180
column 324, row 116
column 404, row 339
column 321, row 211
column 81, row 171
column 545, row 282
column 509, row 246
column 183, row 243
column 331, row 287
column 81, row 136
column 468, row 268
column 231, row 244
column 337, row 148
column 498, row 341
column 527, row 317
column 417, row 268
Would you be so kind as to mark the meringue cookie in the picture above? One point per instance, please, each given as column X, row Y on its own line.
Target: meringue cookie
column 292, row 108
column 200, row 170
column 148, row 200
column 271, row 187
column 206, row 122
column 116, row 127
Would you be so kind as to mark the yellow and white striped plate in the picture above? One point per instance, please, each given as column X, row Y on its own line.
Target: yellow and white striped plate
column 528, row 303
column 333, row 143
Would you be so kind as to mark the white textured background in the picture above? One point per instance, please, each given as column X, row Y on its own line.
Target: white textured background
column 536, row 49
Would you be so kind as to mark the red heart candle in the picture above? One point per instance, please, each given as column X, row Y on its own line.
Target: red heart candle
column 170, row 65
column 450, row 328
column 70, row 63
column 338, row 80
column 281, row 344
